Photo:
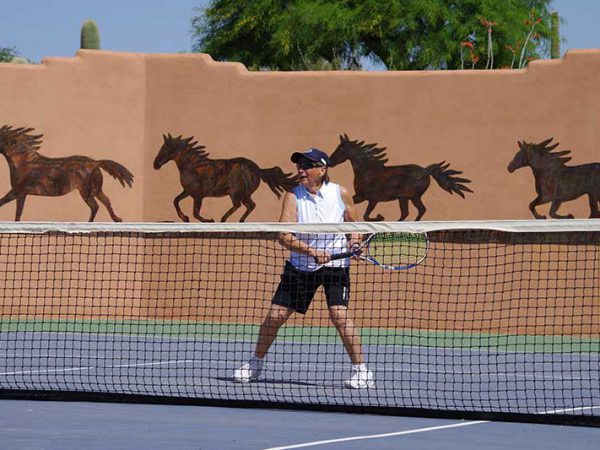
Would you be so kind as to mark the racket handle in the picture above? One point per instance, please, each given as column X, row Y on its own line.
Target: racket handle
column 342, row 255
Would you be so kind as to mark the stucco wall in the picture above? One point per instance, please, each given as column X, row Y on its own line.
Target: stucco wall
column 109, row 105
column 91, row 105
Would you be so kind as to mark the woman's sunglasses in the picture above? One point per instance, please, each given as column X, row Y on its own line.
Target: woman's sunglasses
column 305, row 165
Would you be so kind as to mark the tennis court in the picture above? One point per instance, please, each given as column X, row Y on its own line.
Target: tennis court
column 66, row 425
column 179, row 367
column 493, row 324
column 516, row 379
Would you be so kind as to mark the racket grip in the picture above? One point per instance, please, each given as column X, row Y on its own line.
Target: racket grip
column 342, row 255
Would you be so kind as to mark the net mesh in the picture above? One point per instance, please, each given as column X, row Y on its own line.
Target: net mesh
column 491, row 323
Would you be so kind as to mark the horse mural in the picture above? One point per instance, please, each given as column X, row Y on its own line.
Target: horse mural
column 34, row 174
column 555, row 182
column 202, row 177
column 375, row 182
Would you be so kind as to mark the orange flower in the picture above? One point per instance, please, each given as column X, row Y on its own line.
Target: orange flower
column 467, row 44
column 487, row 23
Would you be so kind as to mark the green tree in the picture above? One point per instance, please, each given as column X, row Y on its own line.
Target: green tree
column 8, row 53
column 277, row 34
column 19, row 60
column 398, row 34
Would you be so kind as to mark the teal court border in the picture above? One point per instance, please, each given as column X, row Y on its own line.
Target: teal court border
column 310, row 334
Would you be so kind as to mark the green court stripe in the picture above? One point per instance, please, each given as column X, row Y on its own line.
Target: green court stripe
column 323, row 335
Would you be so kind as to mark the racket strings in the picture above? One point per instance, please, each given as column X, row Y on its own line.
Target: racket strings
column 398, row 249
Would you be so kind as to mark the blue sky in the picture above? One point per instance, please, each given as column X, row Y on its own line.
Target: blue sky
column 40, row 28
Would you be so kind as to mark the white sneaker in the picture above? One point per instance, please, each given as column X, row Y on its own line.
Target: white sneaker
column 249, row 371
column 360, row 379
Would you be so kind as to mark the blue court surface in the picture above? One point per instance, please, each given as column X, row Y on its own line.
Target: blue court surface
column 517, row 379
column 77, row 425
column 538, row 378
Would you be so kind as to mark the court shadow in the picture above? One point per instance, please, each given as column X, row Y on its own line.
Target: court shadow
column 279, row 381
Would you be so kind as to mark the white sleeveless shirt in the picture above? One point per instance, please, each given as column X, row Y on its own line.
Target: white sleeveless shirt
column 326, row 206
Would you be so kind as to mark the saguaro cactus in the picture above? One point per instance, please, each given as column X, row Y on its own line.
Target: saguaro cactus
column 90, row 35
column 554, row 37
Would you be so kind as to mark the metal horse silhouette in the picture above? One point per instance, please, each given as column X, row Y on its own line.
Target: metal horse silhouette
column 202, row 177
column 555, row 182
column 375, row 182
column 34, row 174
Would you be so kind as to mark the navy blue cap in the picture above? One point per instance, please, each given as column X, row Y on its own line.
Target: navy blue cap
column 312, row 154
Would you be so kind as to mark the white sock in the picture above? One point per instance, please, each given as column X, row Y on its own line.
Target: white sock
column 360, row 367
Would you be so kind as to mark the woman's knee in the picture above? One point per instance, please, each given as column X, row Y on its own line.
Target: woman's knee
column 338, row 316
column 277, row 316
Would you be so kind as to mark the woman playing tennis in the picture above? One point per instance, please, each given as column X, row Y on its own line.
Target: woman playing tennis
column 314, row 200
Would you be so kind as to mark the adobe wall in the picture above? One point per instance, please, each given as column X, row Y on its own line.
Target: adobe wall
column 90, row 105
column 109, row 105
column 117, row 106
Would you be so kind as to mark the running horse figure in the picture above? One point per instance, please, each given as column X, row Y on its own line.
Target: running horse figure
column 375, row 182
column 202, row 177
column 34, row 174
column 555, row 182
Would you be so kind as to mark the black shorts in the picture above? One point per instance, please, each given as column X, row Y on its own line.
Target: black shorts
column 297, row 288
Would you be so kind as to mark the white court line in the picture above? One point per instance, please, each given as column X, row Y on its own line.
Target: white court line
column 418, row 430
column 76, row 369
column 27, row 372
column 377, row 436
column 561, row 411
column 282, row 341
column 157, row 363
column 530, row 375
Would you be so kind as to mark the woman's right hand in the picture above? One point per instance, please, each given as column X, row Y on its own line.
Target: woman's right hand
column 320, row 256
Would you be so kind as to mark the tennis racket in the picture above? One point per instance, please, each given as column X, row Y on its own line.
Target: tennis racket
column 395, row 251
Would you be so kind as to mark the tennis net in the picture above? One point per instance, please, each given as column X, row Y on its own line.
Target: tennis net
column 495, row 320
